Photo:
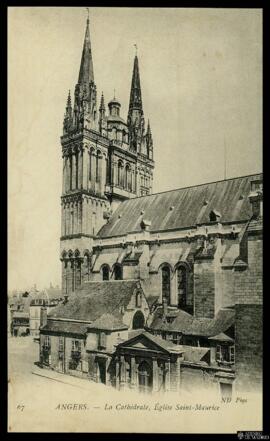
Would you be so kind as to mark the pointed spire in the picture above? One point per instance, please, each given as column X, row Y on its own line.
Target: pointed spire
column 135, row 101
column 148, row 129
column 86, row 74
column 102, row 104
column 68, row 101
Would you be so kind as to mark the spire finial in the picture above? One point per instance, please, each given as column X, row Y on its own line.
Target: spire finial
column 87, row 15
column 114, row 94
column 136, row 49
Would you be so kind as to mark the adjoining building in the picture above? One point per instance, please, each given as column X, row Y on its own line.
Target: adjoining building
column 194, row 254
column 47, row 299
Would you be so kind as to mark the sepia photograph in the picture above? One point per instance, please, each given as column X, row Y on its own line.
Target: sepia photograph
column 135, row 220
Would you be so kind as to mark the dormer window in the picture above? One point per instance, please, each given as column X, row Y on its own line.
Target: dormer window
column 214, row 216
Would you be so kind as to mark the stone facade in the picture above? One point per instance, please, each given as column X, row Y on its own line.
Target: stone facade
column 195, row 253
column 105, row 161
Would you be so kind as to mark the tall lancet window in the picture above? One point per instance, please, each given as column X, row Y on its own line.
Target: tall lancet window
column 70, row 174
column 182, row 286
column 98, row 159
column 166, row 283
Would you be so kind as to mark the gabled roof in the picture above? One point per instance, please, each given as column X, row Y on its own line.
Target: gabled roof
column 146, row 341
column 190, row 325
column 184, row 207
column 97, row 299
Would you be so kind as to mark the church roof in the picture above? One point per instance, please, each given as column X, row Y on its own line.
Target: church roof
column 184, row 207
column 97, row 299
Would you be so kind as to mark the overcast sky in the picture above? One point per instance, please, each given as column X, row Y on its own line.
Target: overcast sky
column 201, row 85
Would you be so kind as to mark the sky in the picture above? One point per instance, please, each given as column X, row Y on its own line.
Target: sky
column 201, row 80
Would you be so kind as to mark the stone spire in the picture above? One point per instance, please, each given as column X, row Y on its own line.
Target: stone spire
column 135, row 118
column 135, row 100
column 68, row 106
column 86, row 74
column 85, row 97
column 102, row 105
column 68, row 115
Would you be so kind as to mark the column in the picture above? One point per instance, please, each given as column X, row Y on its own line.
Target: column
column 64, row 176
column 80, row 168
column 103, row 176
column 72, row 275
column 73, row 172
column 167, row 376
column 117, row 372
column 123, row 372
column 115, row 173
column 85, row 165
column 155, row 375
column 93, row 170
column 67, row 173
column 63, row 277
column 108, row 376
column 133, row 382
column 62, row 218
column 178, row 374
column 75, row 216
column 79, row 227
column 67, row 220
column 69, row 277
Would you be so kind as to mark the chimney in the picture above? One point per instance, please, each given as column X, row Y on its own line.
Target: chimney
column 43, row 316
column 256, row 198
column 165, row 307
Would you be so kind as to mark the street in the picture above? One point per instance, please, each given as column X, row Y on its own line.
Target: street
column 41, row 400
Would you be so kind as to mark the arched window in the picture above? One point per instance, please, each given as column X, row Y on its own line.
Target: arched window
column 138, row 320
column 107, row 172
column 90, row 165
column 70, row 172
column 182, row 278
column 128, row 177
column 77, row 170
column 119, row 173
column 166, row 283
column 118, row 273
column 105, row 272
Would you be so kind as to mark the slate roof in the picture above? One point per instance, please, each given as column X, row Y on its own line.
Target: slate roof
column 190, row 325
column 64, row 327
column 190, row 206
column 108, row 322
column 96, row 299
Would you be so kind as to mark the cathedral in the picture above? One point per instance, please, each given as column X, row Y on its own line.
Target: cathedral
column 163, row 292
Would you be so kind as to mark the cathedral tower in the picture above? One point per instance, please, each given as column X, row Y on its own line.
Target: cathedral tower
column 85, row 154
column 105, row 161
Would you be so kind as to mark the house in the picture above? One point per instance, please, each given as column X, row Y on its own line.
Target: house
column 48, row 299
